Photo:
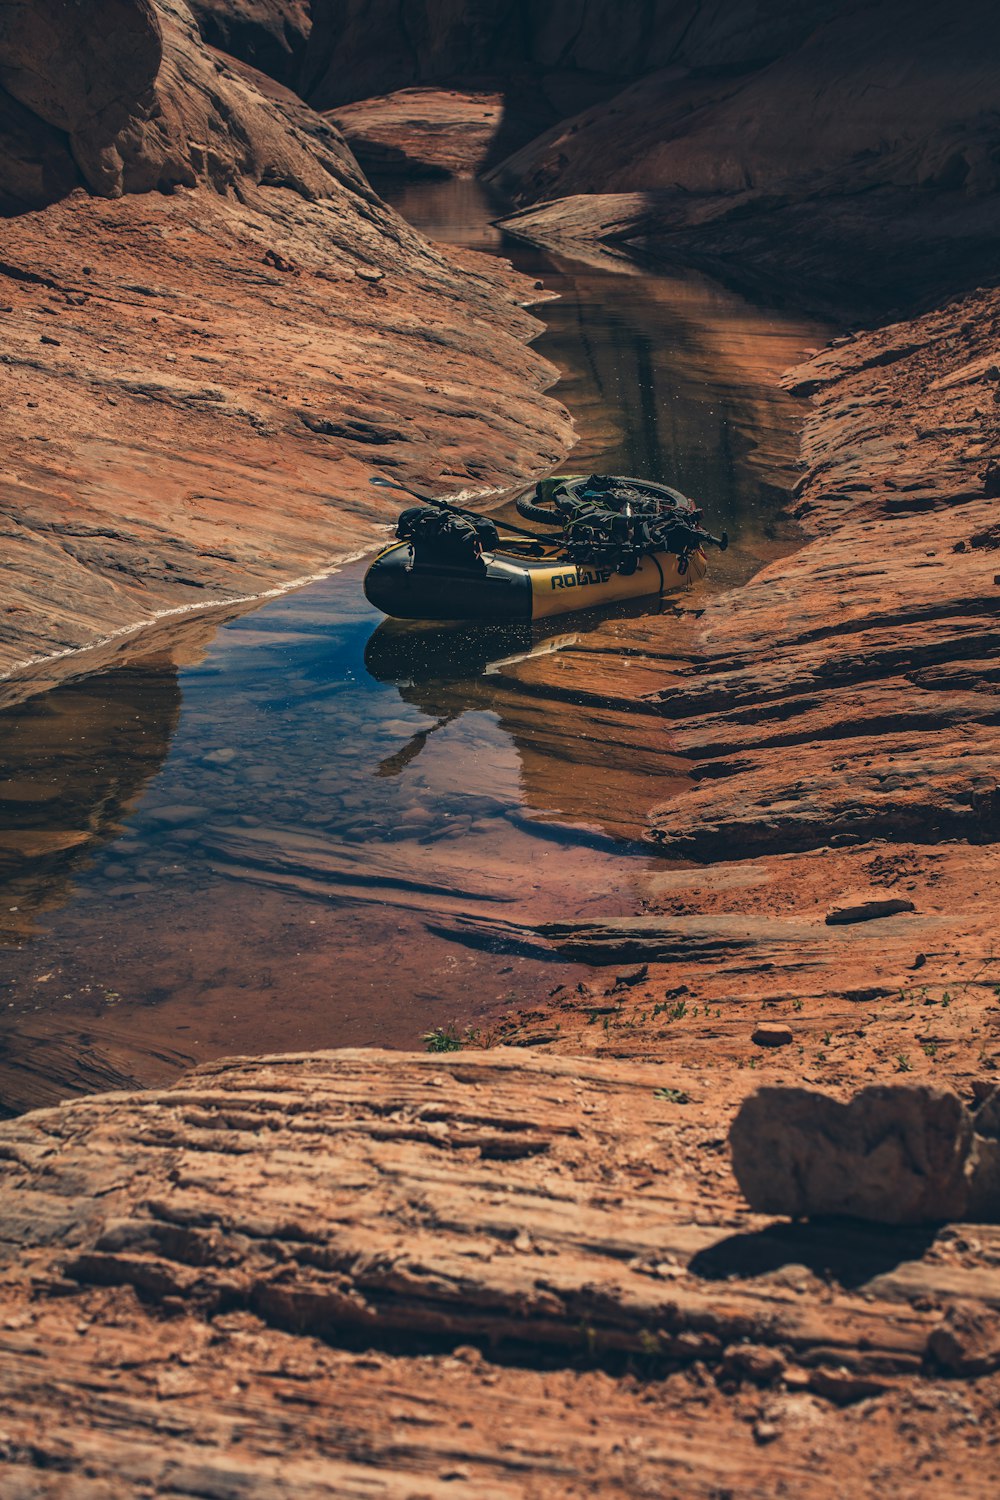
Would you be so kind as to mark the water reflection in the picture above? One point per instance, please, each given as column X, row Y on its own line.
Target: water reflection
column 338, row 848
column 668, row 376
column 585, row 759
column 428, row 667
column 331, row 831
column 73, row 763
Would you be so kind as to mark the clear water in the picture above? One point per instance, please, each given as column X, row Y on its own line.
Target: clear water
column 324, row 830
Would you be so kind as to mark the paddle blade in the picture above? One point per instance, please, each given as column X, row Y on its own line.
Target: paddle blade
column 385, row 484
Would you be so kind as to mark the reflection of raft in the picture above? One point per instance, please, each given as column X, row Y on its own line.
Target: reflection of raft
column 619, row 539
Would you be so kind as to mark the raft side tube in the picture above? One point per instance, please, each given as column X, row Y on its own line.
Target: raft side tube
column 559, row 587
column 506, row 587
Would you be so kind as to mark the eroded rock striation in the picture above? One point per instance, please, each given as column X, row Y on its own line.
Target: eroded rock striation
column 850, row 149
column 438, row 41
column 212, row 335
column 423, row 132
column 851, row 693
column 162, row 1275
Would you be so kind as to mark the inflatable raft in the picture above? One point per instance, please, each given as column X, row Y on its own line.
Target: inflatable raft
column 618, row 539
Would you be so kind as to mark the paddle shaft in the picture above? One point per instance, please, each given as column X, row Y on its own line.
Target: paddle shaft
column 395, row 484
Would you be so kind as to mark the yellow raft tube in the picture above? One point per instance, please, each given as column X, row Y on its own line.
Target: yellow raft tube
column 459, row 566
column 506, row 586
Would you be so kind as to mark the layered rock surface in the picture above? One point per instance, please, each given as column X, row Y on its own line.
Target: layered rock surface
column 851, row 147
column 357, row 49
column 423, row 132
column 199, row 379
column 164, row 1274
column 163, row 1279
column 839, row 718
column 864, row 660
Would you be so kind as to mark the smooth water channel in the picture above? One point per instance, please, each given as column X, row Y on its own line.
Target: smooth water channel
column 323, row 831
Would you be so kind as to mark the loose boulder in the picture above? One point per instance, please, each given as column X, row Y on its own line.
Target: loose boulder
column 903, row 1154
column 866, row 906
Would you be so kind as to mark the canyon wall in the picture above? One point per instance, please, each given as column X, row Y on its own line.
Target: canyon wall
column 141, row 105
column 213, row 329
column 357, row 49
column 269, row 34
column 851, row 150
column 864, row 160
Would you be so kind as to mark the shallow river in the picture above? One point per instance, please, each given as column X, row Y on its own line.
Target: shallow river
column 324, row 831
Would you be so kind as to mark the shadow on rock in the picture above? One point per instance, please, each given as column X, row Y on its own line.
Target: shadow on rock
column 848, row 1253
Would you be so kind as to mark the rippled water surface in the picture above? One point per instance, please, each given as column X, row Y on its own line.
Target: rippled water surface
column 321, row 830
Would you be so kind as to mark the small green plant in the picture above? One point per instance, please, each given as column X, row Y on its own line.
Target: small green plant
column 797, row 1004
column 672, row 1096
column 649, row 1343
column 827, row 1036
column 443, row 1039
column 929, row 1049
column 903, row 1064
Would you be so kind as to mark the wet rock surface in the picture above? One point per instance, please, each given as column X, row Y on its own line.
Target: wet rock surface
column 867, row 654
column 467, row 1219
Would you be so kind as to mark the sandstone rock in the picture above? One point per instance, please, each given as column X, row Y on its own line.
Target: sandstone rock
column 74, row 72
column 423, row 132
column 844, row 1386
column 866, row 908
column 879, row 690
column 65, row 83
column 140, row 104
column 36, row 165
column 442, row 1168
column 441, row 41
column 772, row 1034
column 967, row 1342
column 718, row 176
column 723, row 938
column 984, row 1175
column 116, row 425
column 161, row 1276
column 754, row 1362
column 894, row 1154
column 634, row 974
column 268, row 34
